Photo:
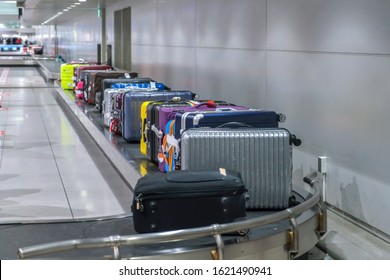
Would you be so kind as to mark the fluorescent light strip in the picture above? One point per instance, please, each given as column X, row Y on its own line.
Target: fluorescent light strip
column 50, row 19
column 64, row 10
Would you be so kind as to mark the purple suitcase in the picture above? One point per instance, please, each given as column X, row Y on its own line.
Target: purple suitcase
column 132, row 101
column 169, row 140
column 153, row 131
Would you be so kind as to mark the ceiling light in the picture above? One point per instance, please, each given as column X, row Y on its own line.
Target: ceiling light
column 82, row 0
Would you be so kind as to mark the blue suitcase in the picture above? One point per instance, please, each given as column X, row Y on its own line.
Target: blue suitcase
column 131, row 111
column 250, row 117
column 109, row 83
column 149, row 86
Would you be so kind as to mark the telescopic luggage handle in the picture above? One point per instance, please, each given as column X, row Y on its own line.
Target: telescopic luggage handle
column 281, row 118
column 293, row 138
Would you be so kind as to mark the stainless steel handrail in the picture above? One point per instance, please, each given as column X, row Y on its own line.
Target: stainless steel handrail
column 180, row 235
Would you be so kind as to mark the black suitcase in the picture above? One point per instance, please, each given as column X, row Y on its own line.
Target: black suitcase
column 186, row 199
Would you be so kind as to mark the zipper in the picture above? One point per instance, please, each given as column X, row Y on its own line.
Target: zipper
column 139, row 198
column 138, row 203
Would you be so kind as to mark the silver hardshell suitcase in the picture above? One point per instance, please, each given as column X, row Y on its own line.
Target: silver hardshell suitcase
column 263, row 156
column 108, row 104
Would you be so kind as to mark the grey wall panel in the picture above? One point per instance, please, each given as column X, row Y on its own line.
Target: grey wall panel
column 176, row 23
column 176, row 67
column 333, row 25
column 335, row 93
column 338, row 105
column 112, row 6
column 77, row 33
column 144, row 60
column 237, row 76
column 143, row 26
column 80, row 39
column 231, row 23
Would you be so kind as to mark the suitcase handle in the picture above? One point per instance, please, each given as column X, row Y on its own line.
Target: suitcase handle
column 208, row 104
column 234, row 125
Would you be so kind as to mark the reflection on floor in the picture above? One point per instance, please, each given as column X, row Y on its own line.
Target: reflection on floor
column 50, row 169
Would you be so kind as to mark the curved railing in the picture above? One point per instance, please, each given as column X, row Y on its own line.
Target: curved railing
column 216, row 230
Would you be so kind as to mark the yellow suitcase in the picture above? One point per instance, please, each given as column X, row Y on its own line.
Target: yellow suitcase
column 66, row 75
column 143, row 142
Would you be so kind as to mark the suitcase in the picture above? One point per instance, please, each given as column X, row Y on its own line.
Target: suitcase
column 66, row 75
column 81, row 85
column 168, row 156
column 95, row 82
column 108, row 82
column 154, row 128
column 144, row 137
column 168, row 113
column 154, row 120
column 109, row 104
column 136, row 83
column 80, row 73
column 140, row 85
column 112, row 113
column 131, row 115
column 263, row 157
column 252, row 117
column 187, row 199
column 79, row 90
column 81, row 68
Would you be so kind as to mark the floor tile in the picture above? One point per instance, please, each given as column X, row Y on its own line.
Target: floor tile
column 348, row 252
column 333, row 237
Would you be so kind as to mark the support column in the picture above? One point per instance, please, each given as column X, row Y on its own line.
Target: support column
column 104, row 35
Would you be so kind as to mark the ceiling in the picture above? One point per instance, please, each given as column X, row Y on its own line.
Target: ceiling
column 36, row 12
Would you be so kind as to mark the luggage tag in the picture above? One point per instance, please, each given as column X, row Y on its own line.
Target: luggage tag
column 153, row 86
column 166, row 155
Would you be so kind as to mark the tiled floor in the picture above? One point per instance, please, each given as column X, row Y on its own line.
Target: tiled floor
column 50, row 169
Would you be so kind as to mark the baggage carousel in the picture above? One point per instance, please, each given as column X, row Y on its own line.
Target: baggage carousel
column 286, row 234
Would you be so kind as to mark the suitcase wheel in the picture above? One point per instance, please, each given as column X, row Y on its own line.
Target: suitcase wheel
column 244, row 231
column 292, row 201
